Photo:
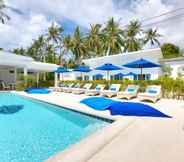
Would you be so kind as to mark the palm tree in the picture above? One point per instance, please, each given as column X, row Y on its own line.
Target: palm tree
column 54, row 37
column 67, row 44
column 40, row 44
column 19, row 51
column 94, row 40
column 152, row 37
column 78, row 47
column 132, row 43
column 3, row 16
column 112, row 37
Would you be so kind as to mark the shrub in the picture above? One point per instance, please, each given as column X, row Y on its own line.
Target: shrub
column 170, row 50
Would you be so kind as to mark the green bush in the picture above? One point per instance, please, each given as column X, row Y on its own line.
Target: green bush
column 170, row 50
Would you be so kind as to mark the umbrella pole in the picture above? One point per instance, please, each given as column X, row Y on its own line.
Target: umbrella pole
column 108, row 77
column 141, row 74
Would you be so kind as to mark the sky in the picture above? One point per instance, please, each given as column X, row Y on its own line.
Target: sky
column 35, row 16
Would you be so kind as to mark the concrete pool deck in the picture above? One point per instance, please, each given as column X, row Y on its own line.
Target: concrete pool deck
column 128, row 139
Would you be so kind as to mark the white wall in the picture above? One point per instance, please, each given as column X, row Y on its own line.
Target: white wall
column 177, row 66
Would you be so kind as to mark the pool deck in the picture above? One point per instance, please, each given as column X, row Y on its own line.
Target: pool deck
column 128, row 139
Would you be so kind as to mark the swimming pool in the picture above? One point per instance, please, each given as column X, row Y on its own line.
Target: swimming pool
column 31, row 131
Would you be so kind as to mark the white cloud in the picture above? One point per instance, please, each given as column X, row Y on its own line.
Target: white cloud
column 38, row 14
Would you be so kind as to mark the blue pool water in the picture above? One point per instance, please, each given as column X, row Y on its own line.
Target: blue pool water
column 31, row 131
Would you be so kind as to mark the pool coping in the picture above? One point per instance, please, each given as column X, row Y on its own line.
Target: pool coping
column 89, row 146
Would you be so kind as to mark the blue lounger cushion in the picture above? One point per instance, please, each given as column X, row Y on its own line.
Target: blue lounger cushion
column 37, row 90
column 135, row 109
column 98, row 103
column 123, row 108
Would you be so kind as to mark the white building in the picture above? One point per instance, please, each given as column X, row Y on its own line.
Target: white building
column 153, row 55
column 11, row 63
column 176, row 65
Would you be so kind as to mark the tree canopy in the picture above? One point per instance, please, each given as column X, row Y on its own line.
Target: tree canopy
column 170, row 50
column 99, row 40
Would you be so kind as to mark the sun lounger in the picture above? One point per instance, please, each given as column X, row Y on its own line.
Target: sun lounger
column 59, row 88
column 153, row 93
column 130, row 92
column 113, row 89
column 4, row 86
column 96, row 91
column 70, row 87
column 87, row 86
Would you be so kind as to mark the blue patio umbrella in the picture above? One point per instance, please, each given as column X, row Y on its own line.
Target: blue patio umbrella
column 130, row 74
column 108, row 67
column 141, row 63
column 82, row 69
column 97, row 76
column 119, row 75
column 61, row 70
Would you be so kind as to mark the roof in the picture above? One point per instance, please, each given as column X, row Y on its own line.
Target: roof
column 153, row 55
column 9, row 59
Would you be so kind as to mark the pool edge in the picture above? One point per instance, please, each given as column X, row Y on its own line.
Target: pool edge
column 89, row 146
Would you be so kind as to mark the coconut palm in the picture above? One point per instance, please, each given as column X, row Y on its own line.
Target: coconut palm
column 94, row 40
column 112, row 37
column 151, row 36
column 3, row 15
column 67, row 44
column 132, row 42
column 78, row 47
column 54, row 37
column 40, row 44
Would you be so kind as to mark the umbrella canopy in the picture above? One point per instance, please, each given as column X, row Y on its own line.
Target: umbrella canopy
column 84, row 69
column 61, row 70
column 120, row 75
column 130, row 74
column 108, row 67
column 141, row 63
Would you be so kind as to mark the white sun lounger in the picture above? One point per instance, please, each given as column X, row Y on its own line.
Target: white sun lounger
column 71, row 87
column 113, row 89
column 96, row 91
column 153, row 93
column 130, row 92
column 58, row 88
column 87, row 86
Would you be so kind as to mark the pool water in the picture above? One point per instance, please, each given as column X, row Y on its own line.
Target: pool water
column 32, row 131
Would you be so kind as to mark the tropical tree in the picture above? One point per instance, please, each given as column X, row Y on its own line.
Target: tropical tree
column 78, row 47
column 94, row 41
column 39, row 47
column 112, row 37
column 54, row 37
column 151, row 36
column 3, row 15
column 132, row 42
column 19, row 51
column 67, row 44
column 170, row 50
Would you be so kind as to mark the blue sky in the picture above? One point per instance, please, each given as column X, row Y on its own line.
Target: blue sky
column 37, row 15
